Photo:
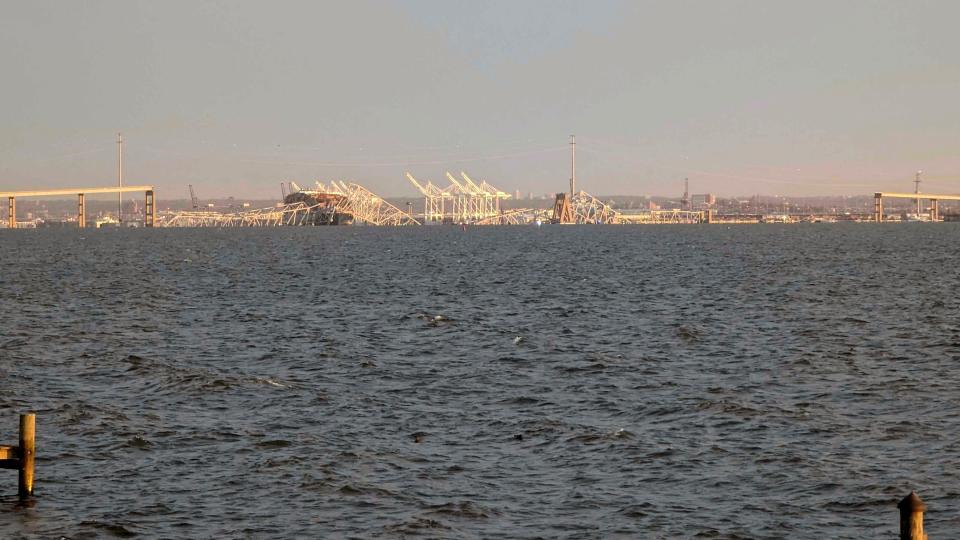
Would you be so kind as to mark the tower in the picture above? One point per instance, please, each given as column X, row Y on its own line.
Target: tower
column 573, row 165
column 119, row 179
column 916, row 189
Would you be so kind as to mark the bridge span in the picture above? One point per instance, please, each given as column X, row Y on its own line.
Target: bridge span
column 932, row 197
column 149, row 215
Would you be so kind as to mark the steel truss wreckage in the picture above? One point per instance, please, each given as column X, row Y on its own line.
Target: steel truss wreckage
column 664, row 217
column 338, row 203
column 463, row 201
column 583, row 208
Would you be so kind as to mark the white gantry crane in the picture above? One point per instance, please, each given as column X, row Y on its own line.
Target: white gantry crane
column 490, row 196
column 463, row 201
column 434, row 199
column 465, row 208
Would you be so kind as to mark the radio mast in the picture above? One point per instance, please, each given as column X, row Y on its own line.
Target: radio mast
column 573, row 165
column 119, row 179
column 916, row 190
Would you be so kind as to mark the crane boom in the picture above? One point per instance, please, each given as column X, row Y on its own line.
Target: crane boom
column 459, row 186
column 473, row 185
column 416, row 184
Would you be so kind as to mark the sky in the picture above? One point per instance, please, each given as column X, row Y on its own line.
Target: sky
column 769, row 97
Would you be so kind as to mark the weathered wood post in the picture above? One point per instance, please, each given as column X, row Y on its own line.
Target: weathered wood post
column 22, row 457
column 911, row 517
column 28, row 450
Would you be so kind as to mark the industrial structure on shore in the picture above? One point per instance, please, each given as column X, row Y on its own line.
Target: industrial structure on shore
column 464, row 201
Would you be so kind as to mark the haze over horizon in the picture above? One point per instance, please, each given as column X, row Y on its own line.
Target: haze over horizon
column 741, row 97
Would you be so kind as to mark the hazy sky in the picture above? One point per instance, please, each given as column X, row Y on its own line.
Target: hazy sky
column 771, row 97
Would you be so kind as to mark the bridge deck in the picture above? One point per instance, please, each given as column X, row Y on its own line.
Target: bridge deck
column 917, row 196
column 75, row 191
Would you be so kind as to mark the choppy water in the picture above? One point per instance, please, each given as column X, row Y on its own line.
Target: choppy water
column 573, row 382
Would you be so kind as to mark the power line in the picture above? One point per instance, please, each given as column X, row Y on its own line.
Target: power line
column 404, row 163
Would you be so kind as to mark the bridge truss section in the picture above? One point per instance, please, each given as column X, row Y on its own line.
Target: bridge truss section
column 586, row 208
column 369, row 208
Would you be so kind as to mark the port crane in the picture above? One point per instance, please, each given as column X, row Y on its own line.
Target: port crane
column 469, row 201
column 434, row 202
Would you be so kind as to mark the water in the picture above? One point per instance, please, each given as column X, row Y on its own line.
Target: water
column 572, row 382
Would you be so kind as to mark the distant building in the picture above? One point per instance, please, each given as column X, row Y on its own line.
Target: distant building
column 703, row 200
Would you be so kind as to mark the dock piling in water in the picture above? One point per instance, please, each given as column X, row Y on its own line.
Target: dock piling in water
column 911, row 517
column 28, row 450
column 22, row 457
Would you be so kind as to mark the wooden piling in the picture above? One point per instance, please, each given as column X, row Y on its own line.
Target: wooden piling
column 28, row 450
column 911, row 517
column 22, row 457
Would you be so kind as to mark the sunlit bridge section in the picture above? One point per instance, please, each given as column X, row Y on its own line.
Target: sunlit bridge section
column 663, row 217
column 932, row 213
column 520, row 216
column 295, row 214
column 370, row 209
column 588, row 209
column 336, row 203
column 150, row 210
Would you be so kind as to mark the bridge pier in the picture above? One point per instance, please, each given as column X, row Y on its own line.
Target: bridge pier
column 149, row 210
column 149, row 219
column 81, row 211
column 12, row 212
column 934, row 199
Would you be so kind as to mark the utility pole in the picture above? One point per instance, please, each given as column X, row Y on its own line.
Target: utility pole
column 916, row 190
column 573, row 165
column 119, row 179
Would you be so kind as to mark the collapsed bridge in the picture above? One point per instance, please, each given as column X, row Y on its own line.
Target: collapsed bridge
column 339, row 203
